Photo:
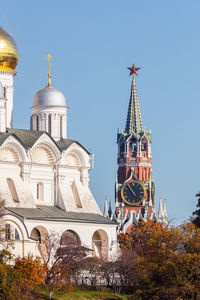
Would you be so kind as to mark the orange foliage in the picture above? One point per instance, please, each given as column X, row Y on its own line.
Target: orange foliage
column 168, row 265
column 31, row 273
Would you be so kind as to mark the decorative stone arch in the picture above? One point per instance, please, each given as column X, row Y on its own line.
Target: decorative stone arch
column 42, row 154
column 100, row 244
column 41, row 235
column 74, row 158
column 70, row 238
column 11, row 152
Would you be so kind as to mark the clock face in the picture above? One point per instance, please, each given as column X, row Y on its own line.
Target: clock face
column 133, row 192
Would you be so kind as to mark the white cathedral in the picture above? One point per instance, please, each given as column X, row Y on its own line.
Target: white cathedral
column 43, row 175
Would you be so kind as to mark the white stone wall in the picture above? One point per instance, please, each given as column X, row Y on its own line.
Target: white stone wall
column 64, row 175
column 85, row 232
column 6, row 78
column 65, row 180
column 58, row 116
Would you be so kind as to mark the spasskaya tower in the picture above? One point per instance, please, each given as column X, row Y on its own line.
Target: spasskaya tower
column 134, row 190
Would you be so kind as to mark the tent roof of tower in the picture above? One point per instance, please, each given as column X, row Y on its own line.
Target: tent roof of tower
column 29, row 137
column 52, row 213
column 134, row 118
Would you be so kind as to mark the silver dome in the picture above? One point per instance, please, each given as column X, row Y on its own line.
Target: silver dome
column 1, row 91
column 49, row 96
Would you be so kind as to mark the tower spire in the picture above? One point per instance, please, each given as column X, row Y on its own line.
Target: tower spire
column 134, row 118
column 49, row 75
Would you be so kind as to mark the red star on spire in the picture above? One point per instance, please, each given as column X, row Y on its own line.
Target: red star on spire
column 133, row 70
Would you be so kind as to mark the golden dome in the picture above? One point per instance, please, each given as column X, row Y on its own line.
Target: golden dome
column 8, row 51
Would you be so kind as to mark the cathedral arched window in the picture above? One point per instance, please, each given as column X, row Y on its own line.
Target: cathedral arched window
column 37, row 123
column 40, row 192
column 17, row 237
column 12, row 189
column 49, row 124
column 7, row 232
column 70, row 238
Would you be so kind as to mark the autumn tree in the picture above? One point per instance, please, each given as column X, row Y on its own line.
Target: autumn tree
column 62, row 256
column 168, row 261
column 196, row 213
column 30, row 274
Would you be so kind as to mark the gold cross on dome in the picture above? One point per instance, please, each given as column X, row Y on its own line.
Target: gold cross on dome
column 49, row 75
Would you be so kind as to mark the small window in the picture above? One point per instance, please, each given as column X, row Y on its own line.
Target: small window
column 37, row 123
column 7, row 232
column 31, row 123
column 40, row 191
column 12, row 189
column 5, row 92
column 49, row 124
column 61, row 129
column 17, row 238
column 145, row 173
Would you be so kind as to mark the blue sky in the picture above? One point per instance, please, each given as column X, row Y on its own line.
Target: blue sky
column 92, row 43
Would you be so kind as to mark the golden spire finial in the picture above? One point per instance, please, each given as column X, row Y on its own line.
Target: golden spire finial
column 49, row 75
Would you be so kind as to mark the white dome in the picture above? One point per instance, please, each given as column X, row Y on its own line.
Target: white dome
column 49, row 96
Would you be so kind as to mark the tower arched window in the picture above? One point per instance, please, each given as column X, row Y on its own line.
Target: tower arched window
column 133, row 144
column 12, row 189
column 122, row 147
column 49, row 124
column 37, row 123
column 61, row 126
column 40, row 191
column 144, row 145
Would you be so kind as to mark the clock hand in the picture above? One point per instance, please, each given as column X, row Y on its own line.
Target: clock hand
column 131, row 190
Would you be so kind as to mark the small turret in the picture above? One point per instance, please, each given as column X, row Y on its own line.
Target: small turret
column 105, row 213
